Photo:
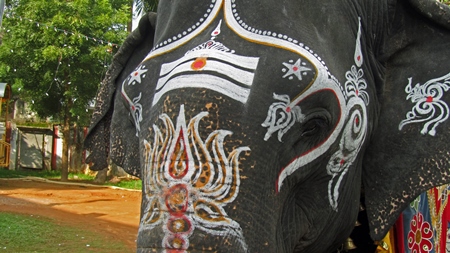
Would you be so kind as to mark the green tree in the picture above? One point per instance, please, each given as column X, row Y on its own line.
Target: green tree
column 143, row 6
column 55, row 53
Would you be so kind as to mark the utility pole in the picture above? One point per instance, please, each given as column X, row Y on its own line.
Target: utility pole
column 2, row 10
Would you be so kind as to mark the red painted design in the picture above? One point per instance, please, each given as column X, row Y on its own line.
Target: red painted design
column 176, row 244
column 179, row 165
column 288, row 109
column 429, row 99
column 319, row 144
column 177, row 200
column 342, row 162
column 198, row 64
column 136, row 73
column 295, row 68
column 179, row 225
column 359, row 58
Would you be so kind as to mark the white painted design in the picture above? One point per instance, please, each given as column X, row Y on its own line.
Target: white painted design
column 356, row 85
column 134, row 105
column 351, row 126
column 211, row 44
column 184, row 73
column 429, row 107
column 297, row 69
column 188, row 182
column 358, row 50
column 217, row 31
column 177, row 40
column 252, row 34
column 281, row 117
column 353, row 137
column 355, row 130
column 316, row 152
column 137, row 75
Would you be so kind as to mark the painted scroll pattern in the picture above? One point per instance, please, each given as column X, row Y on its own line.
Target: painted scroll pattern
column 353, row 99
column 429, row 108
column 189, row 181
column 281, row 117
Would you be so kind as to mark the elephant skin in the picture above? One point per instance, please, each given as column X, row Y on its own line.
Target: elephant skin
column 254, row 125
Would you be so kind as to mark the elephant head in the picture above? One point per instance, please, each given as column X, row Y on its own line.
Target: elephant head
column 254, row 125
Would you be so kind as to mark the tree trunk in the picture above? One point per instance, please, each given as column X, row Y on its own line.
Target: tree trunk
column 130, row 23
column 66, row 137
column 76, row 150
column 65, row 150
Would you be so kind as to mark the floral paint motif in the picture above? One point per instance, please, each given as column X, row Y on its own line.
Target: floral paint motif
column 134, row 104
column 429, row 108
column 189, row 181
column 356, row 85
column 420, row 235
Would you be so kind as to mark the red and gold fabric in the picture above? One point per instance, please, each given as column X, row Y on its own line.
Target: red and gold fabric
column 423, row 227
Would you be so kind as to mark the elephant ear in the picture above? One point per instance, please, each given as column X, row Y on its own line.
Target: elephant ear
column 410, row 146
column 110, row 136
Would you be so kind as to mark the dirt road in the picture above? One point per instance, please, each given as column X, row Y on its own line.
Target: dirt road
column 108, row 211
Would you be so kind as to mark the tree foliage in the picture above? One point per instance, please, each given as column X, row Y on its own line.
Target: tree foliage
column 55, row 52
column 143, row 6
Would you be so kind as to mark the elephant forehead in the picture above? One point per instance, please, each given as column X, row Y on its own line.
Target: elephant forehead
column 254, row 28
column 223, row 53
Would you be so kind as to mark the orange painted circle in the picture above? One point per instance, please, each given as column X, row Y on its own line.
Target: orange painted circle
column 199, row 63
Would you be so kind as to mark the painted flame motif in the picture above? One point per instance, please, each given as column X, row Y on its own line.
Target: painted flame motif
column 189, row 181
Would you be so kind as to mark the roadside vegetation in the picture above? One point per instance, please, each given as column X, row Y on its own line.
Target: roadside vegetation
column 31, row 233
column 128, row 183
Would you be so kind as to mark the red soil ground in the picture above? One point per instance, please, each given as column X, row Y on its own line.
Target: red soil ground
column 107, row 211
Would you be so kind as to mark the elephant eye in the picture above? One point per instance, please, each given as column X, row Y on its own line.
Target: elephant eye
column 314, row 126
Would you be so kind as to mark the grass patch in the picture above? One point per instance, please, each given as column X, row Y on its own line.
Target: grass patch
column 25, row 233
column 4, row 173
column 129, row 184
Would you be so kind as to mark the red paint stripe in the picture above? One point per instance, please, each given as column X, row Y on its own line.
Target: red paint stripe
column 318, row 145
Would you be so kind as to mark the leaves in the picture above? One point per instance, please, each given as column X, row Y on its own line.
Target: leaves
column 55, row 53
column 143, row 6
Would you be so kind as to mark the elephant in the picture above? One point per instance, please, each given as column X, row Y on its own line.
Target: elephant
column 256, row 126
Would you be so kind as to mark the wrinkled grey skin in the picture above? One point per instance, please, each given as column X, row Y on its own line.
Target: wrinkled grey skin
column 255, row 124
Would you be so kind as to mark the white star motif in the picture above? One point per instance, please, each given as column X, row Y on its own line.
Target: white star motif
column 295, row 69
column 136, row 75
